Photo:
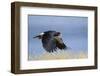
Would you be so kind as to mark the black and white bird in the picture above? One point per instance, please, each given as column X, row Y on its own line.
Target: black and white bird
column 51, row 41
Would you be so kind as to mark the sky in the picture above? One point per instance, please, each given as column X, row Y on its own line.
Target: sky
column 74, row 31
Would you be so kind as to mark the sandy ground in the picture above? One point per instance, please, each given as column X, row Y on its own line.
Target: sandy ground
column 60, row 54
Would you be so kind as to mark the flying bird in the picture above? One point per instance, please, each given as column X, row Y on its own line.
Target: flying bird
column 51, row 41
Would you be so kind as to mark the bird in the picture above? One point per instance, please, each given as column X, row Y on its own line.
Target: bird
column 51, row 41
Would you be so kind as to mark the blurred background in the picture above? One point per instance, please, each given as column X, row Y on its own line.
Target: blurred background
column 73, row 30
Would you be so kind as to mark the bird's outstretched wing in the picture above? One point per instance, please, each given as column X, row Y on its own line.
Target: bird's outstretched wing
column 59, row 43
column 49, row 44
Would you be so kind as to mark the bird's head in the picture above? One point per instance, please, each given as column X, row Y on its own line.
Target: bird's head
column 39, row 36
column 51, row 34
column 57, row 34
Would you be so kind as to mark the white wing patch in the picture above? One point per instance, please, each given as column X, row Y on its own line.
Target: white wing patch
column 41, row 33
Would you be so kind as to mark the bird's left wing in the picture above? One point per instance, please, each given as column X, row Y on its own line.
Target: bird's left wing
column 49, row 44
column 59, row 43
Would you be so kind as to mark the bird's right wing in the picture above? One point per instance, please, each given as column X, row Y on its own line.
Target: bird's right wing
column 59, row 43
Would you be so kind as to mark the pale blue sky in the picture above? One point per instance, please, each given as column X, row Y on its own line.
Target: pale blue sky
column 73, row 29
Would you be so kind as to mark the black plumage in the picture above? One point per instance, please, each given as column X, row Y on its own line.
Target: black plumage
column 51, row 41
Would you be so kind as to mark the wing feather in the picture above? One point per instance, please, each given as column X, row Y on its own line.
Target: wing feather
column 59, row 43
column 49, row 44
